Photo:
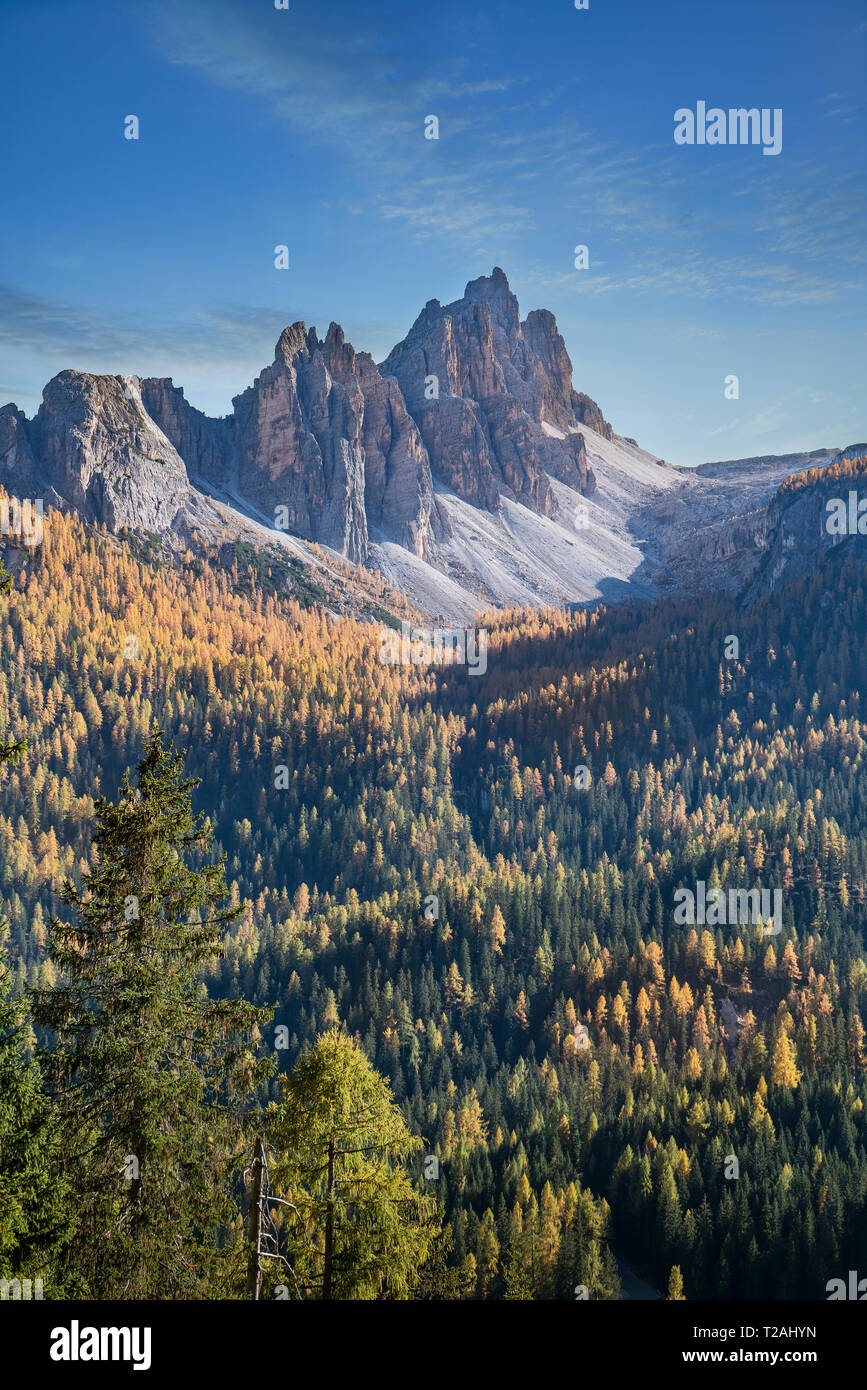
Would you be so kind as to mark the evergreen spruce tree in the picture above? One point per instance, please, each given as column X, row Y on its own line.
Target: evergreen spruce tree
column 30, row 1202
column 517, row 1266
column 149, row 1078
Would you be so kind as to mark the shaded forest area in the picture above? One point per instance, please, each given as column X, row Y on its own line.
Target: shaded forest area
column 410, row 859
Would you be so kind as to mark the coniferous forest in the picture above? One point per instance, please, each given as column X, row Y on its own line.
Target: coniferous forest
column 325, row 978
column 433, row 689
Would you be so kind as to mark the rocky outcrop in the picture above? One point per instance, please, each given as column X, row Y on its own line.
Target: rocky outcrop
column 482, row 387
column 18, row 468
column 549, row 369
column 325, row 444
column 798, row 530
column 588, row 413
column 428, row 368
column 746, row 526
column 99, row 449
column 298, row 441
column 322, row 433
column 398, row 487
column 206, row 445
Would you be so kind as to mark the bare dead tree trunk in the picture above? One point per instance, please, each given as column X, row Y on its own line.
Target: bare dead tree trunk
column 254, row 1223
column 329, row 1225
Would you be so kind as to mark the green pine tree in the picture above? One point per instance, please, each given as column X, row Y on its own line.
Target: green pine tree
column 148, row 1077
column 30, row 1203
column 31, row 1199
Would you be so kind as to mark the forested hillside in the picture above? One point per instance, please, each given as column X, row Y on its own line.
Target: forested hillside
column 416, row 861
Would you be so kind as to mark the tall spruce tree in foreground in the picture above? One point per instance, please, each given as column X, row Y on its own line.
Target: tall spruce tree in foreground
column 357, row 1227
column 149, row 1078
column 30, row 1201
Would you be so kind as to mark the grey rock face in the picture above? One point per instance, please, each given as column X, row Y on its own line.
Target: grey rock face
column 18, row 470
column 588, row 413
column 298, row 439
column 796, row 535
column 325, row 443
column 206, row 445
column 452, row 424
column 497, row 379
column 98, row 447
column 324, row 434
column 398, row 488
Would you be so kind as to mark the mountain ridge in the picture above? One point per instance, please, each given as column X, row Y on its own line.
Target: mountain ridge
column 465, row 467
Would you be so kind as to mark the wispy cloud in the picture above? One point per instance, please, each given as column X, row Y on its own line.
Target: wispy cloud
column 773, row 423
column 30, row 322
column 234, row 341
column 498, row 160
column 754, row 282
column 338, row 81
column 366, row 98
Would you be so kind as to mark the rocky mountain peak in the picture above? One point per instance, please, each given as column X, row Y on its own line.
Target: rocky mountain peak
column 94, row 443
column 481, row 385
column 492, row 291
column 345, row 452
column 293, row 342
column 17, row 463
column 488, row 287
column 339, row 356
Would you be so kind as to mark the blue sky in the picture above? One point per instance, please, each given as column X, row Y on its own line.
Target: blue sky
column 306, row 127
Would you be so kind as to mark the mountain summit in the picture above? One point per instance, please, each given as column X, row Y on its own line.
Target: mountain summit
column 466, row 468
column 481, row 385
column 346, row 450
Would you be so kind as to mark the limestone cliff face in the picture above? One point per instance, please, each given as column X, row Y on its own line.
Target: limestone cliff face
column 549, row 372
column 298, row 440
column 497, row 381
column 18, row 468
column 206, row 445
column 324, row 434
column 94, row 443
column 588, row 413
column 795, row 530
column 325, row 443
column 398, row 487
